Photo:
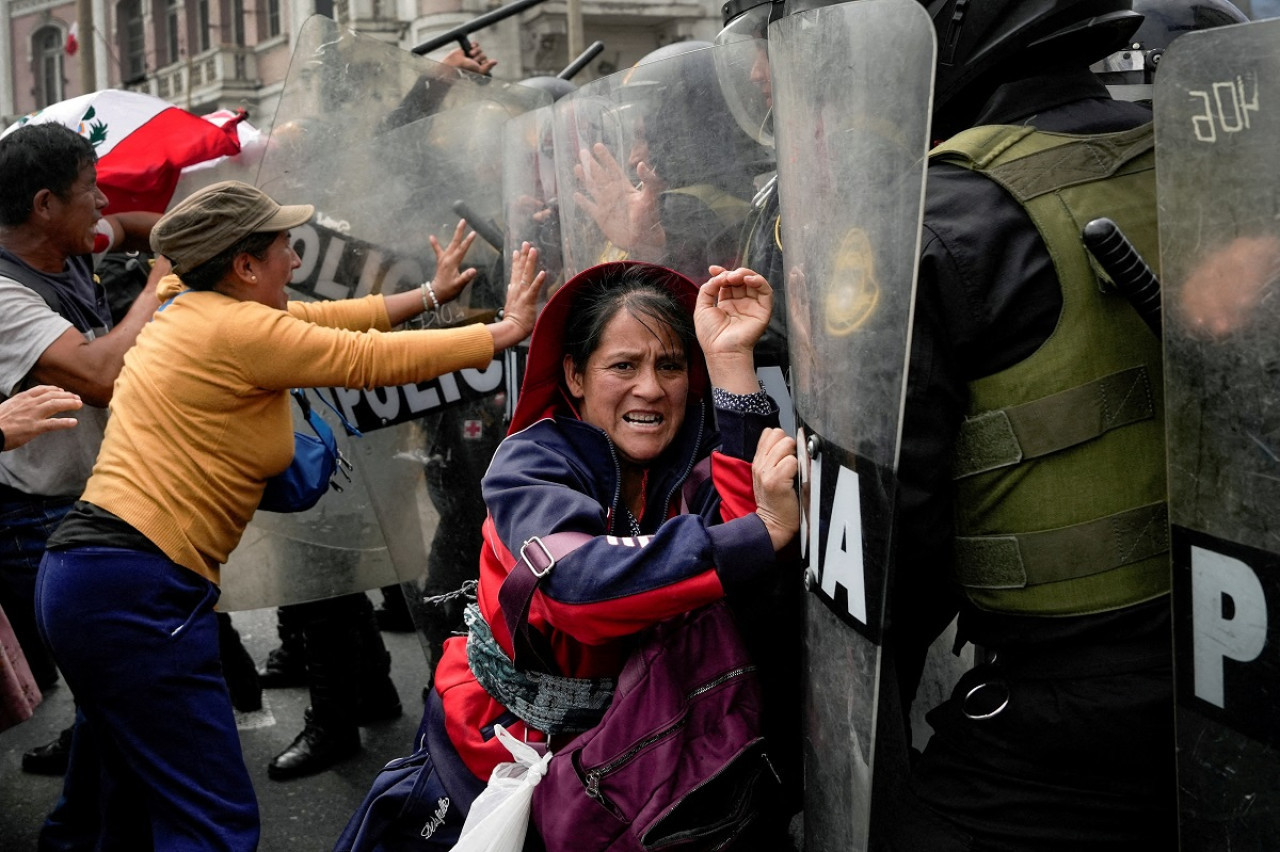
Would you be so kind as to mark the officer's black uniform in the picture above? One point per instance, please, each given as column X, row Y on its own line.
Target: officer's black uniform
column 1082, row 755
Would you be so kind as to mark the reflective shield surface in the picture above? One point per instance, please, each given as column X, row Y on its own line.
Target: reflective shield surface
column 653, row 166
column 389, row 147
column 851, row 144
column 1216, row 126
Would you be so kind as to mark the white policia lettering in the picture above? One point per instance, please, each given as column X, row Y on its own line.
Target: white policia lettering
column 437, row 819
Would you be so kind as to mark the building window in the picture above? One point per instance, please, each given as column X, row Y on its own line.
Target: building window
column 202, row 21
column 133, row 42
column 172, row 21
column 237, row 22
column 273, row 18
column 47, row 45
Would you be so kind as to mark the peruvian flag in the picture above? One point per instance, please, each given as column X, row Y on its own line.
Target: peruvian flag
column 142, row 142
column 73, row 43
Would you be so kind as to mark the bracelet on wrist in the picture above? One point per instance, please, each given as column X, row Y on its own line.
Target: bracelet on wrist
column 429, row 291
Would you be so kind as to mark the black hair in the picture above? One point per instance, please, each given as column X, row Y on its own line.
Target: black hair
column 35, row 157
column 207, row 275
column 629, row 288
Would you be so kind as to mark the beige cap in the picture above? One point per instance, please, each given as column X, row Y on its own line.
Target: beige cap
column 211, row 220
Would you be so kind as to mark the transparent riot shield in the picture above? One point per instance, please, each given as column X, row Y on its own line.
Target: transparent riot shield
column 390, row 147
column 1216, row 127
column 531, row 200
column 851, row 164
column 652, row 165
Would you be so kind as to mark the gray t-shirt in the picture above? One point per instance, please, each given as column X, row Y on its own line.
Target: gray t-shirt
column 56, row 464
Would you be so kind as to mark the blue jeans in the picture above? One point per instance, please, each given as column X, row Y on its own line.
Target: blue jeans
column 137, row 639
column 25, row 525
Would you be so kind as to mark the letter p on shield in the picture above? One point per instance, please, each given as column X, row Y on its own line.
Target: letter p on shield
column 1228, row 618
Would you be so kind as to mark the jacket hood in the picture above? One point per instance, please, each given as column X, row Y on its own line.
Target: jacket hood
column 543, row 392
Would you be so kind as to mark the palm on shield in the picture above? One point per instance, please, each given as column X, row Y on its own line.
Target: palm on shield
column 366, row 132
column 853, row 147
column 1215, row 150
column 652, row 165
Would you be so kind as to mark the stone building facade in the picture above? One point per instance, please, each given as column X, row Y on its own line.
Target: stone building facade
column 205, row 55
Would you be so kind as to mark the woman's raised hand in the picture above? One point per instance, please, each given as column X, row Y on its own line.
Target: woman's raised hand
column 731, row 314
column 773, row 474
column 449, row 281
column 523, row 290
column 733, row 310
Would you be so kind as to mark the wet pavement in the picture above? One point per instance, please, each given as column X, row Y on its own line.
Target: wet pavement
column 303, row 815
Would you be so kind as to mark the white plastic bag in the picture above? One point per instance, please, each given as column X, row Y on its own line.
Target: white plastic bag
column 499, row 817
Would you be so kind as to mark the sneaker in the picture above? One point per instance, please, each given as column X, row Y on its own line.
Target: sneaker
column 50, row 758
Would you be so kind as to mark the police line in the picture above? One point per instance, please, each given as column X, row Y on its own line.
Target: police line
column 329, row 257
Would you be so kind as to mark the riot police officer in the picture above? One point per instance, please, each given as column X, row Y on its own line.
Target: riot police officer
column 1032, row 472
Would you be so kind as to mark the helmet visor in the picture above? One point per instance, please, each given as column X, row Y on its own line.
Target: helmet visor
column 742, row 64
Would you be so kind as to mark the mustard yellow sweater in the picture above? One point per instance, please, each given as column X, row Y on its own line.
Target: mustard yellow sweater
column 200, row 416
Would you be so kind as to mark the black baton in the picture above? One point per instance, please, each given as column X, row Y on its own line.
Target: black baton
column 1132, row 276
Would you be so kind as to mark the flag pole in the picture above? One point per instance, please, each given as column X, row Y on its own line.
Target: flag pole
column 85, row 55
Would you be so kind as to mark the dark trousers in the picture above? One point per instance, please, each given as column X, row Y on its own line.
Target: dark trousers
column 25, row 525
column 347, row 661
column 137, row 640
column 1083, row 762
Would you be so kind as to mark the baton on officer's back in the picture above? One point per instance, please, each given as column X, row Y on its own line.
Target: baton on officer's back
column 1132, row 276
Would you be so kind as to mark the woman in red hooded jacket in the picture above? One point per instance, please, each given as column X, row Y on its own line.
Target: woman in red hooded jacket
column 637, row 381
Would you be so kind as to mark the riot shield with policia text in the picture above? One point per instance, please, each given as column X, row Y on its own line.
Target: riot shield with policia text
column 364, row 132
column 653, row 166
column 1217, row 123
column 851, row 166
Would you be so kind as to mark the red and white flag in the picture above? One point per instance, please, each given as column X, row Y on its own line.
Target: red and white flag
column 142, row 142
column 73, row 43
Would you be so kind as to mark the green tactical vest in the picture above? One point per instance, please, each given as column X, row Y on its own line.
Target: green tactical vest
column 1060, row 465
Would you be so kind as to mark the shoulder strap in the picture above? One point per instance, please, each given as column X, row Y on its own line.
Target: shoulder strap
column 536, row 558
column 42, row 288
column 1032, row 163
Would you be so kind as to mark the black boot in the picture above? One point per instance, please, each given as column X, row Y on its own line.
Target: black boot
column 287, row 665
column 317, row 748
column 238, row 668
column 331, row 640
column 50, row 758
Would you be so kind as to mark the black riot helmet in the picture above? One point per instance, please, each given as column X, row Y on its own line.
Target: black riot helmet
column 762, row 13
column 678, row 87
column 983, row 43
column 554, row 86
column 1130, row 71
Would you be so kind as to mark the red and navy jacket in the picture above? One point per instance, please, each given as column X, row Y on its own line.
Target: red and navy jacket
column 555, row 473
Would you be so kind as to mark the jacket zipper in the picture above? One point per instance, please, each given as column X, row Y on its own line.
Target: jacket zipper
column 593, row 777
column 617, row 472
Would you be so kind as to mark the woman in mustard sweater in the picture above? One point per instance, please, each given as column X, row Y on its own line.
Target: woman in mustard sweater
column 200, row 419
